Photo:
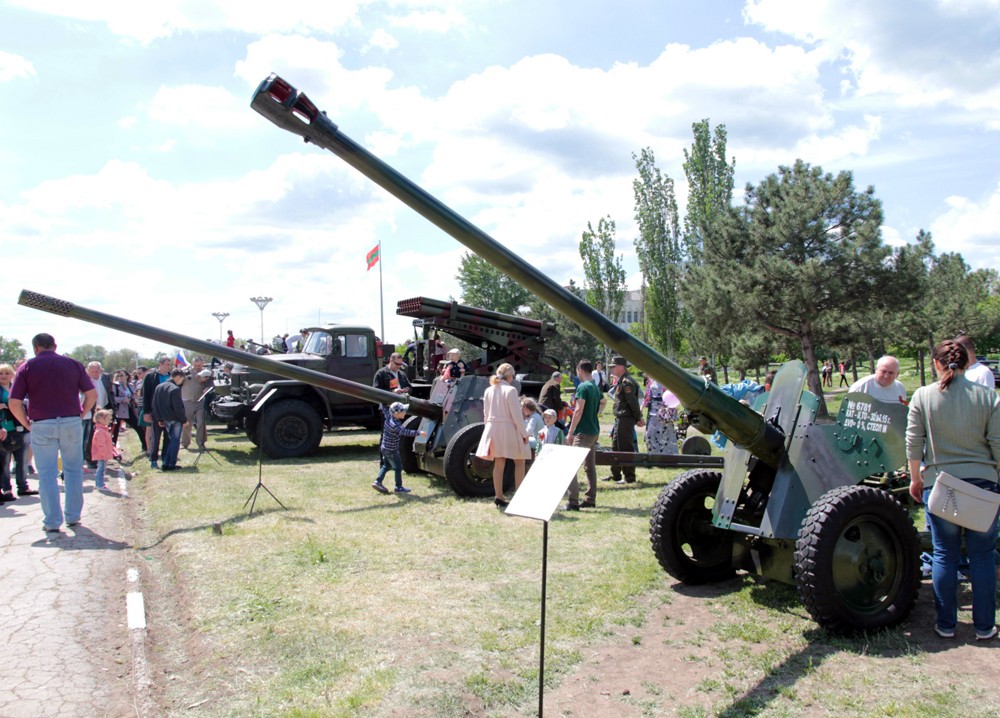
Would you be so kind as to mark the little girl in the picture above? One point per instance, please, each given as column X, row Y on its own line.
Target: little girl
column 103, row 449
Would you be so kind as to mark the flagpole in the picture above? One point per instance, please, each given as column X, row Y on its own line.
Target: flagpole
column 381, row 303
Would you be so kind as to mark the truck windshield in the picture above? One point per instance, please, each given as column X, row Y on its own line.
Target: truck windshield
column 318, row 343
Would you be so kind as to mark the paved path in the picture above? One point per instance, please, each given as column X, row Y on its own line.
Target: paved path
column 65, row 645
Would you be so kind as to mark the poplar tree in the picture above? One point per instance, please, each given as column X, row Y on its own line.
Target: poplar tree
column 603, row 270
column 659, row 253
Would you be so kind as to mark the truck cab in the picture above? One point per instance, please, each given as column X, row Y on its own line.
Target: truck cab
column 287, row 418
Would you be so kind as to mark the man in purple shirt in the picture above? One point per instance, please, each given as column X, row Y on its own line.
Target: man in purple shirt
column 53, row 384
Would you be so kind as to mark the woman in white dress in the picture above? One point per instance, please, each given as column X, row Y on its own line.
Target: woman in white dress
column 504, row 436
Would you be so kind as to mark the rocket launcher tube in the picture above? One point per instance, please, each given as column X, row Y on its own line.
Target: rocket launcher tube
column 291, row 110
column 63, row 308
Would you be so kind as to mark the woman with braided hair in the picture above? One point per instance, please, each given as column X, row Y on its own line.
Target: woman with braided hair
column 954, row 426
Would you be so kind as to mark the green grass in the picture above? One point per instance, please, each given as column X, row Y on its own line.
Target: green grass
column 351, row 603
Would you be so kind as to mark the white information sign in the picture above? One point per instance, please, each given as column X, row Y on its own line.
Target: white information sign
column 547, row 481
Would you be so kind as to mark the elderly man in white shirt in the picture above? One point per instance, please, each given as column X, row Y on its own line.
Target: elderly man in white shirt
column 882, row 385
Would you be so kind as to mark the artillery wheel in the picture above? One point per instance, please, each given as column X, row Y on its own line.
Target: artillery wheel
column 406, row 455
column 288, row 429
column 697, row 446
column 857, row 563
column 467, row 474
column 684, row 540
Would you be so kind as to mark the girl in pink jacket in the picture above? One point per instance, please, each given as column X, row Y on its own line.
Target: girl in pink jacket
column 103, row 449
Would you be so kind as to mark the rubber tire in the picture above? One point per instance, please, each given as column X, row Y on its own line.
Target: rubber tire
column 845, row 525
column 467, row 475
column 288, row 429
column 406, row 455
column 696, row 446
column 682, row 513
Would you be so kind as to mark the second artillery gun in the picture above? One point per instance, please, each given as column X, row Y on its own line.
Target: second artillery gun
column 286, row 417
column 791, row 503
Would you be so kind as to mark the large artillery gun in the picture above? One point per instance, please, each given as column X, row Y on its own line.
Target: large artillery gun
column 790, row 503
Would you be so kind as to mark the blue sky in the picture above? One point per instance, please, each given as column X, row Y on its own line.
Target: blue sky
column 137, row 180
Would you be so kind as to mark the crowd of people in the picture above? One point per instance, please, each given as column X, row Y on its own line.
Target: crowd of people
column 61, row 419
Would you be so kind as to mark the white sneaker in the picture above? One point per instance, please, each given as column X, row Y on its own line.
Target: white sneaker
column 948, row 632
column 986, row 636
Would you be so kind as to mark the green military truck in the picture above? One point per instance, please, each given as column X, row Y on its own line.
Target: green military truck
column 287, row 418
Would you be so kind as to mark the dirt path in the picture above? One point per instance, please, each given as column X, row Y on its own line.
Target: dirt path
column 63, row 634
column 683, row 661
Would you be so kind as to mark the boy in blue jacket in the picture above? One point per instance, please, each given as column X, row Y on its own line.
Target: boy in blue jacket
column 392, row 429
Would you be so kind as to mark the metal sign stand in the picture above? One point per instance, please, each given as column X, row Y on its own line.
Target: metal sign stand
column 260, row 485
column 538, row 498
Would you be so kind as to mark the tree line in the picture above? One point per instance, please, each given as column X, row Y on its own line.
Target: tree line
column 799, row 269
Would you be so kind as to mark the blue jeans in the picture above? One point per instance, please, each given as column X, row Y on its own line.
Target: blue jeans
column 50, row 439
column 173, row 431
column 391, row 459
column 99, row 476
column 946, row 538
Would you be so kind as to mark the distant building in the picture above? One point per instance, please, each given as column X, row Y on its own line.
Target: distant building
column 631, row 309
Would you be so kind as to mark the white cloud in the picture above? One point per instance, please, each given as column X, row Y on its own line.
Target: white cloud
column 146, row 22
column 971, row 228
column 199, row 106
column 13, row 66
column 383, row 40
column 922, row 53
column 314, row 67
column 439, row 21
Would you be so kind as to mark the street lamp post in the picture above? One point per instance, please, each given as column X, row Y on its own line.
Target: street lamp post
column 261, row 302
column 221, row 316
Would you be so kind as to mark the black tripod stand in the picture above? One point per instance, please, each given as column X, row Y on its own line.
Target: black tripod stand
column 202, row 452
column 260, row 485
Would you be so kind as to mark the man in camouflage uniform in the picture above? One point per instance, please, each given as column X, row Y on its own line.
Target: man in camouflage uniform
column 628, row 415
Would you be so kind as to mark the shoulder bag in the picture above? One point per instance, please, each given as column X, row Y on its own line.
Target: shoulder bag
column 963, row 503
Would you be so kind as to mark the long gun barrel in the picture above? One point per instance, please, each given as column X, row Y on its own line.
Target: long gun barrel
column 289, row 371
column 291, row 110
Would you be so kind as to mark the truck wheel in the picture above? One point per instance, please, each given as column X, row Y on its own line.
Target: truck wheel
column 465, row 473
column 684, row 540
column 406, row 455
column 857, row 564
column 289, row 429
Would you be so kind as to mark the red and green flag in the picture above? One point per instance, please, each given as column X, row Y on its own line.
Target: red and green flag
column 372, row 257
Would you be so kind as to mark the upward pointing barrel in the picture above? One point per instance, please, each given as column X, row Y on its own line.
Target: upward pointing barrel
column 291, row 110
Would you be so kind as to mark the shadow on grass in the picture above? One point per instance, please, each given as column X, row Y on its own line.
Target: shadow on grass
column 232, row 521
column 246, row 456
column 887, row 643
column 397, row 501
column 913, row 637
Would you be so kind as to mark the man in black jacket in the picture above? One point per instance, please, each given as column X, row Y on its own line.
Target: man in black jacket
column 149, row 383
column 105, row 400
column 169, row 416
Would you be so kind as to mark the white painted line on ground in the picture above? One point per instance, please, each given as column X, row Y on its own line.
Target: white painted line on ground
column 136, row 610
column 133, row 575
